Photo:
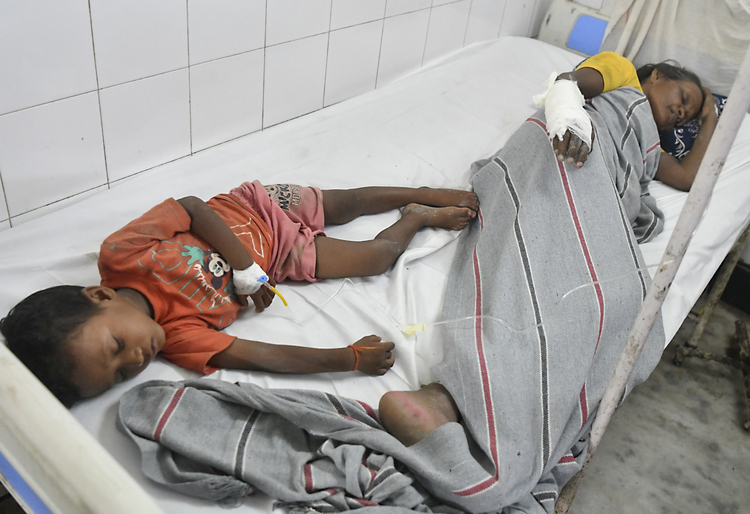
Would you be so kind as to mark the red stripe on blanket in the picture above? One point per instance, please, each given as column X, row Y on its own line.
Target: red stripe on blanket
column 584, row 405
column 475, row 489
column 365, row 503
column 657, row 145
column 568, row 459
column 484, row 372
column 370, row 411
column 584, row 248
column 539, row 122
column 168, row 413
column 307, row 470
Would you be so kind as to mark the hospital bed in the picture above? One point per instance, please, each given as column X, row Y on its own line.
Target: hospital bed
column 425, row 129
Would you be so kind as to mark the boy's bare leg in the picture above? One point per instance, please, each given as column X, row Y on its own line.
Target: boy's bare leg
column 410, row 416
column 336, row 258
column 343, row 205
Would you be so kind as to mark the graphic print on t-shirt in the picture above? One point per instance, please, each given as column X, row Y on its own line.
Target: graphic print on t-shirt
column 202, row 276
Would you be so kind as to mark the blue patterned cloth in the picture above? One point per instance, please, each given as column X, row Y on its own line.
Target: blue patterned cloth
column 679, row 140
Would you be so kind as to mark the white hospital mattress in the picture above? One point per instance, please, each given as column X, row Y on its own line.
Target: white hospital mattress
column 425, row 129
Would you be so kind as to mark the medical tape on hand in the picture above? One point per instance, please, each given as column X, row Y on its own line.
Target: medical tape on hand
column 249, row 280
column 563, row 108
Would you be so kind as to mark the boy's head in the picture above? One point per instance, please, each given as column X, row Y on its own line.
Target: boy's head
column 81, row 341
column 676, row 94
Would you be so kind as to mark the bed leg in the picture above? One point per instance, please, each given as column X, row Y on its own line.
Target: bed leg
column 742, row 340
column 690, row 347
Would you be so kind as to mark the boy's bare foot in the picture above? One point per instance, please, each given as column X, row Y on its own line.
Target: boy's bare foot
column 449, row 198
column 410, row 416
column 453, row 218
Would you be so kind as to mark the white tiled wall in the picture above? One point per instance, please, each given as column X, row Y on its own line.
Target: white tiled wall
column 94, row 91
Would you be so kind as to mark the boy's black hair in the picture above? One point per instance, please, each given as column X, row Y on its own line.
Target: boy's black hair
column 673, row 71
column 38, row 330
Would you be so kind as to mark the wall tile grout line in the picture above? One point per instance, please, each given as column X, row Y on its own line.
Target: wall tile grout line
column 190, row 81
column 98, row 98
column 380, row 47
column 328, row 50
column 502, row 18
column 265, row 55
column 468, row 20
column 427, row 35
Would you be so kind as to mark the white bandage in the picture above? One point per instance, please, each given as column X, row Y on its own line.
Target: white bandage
column 563, row 108
column 249, row 280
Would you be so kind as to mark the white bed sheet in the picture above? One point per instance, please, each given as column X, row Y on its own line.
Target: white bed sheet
column 425, row 129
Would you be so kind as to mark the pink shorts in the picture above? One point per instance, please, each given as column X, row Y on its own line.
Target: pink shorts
column 295, row 216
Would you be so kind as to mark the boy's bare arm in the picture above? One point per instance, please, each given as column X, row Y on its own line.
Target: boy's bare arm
column 207, row 225
column 372, row 357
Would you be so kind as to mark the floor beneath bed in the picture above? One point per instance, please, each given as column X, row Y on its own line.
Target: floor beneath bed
column 677, row 444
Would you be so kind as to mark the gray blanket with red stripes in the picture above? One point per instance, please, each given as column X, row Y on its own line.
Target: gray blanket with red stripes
column 544, row 288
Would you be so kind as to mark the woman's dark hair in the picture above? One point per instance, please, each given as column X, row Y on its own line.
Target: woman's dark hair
column 673, row 71
column 38, row 330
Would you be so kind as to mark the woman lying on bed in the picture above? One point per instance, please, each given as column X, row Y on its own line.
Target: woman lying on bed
column 675, row 96
column 554, row 256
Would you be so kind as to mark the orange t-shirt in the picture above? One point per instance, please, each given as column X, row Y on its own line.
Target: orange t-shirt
column 188, row 283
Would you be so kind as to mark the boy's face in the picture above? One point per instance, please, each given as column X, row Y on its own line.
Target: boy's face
column 673, row 102
column 114, row 345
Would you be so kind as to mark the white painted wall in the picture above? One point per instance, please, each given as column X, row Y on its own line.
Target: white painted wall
column 94, row 91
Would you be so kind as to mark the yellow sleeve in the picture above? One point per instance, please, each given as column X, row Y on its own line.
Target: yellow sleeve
column 616, row 70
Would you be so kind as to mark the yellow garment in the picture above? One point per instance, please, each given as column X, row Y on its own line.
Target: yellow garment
column 616, row 70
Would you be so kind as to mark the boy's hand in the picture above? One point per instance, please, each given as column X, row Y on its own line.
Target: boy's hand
column 261, row 298
column 374, row 357
column 572, row 148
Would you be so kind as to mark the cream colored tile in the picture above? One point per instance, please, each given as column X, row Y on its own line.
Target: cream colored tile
column 295, row 76
column 220, row 28
column 517, row 18
column 484, row 20
column 138, row 38
column 50, row 152
column 288, row 20
column 226, row 98
column 56, row 206
column 353, row 55
column 45, row 52
column 4, row 215
column 403, row 44
column 396, row 7
column 146, row 123
column 447, row 29
column 345, row 13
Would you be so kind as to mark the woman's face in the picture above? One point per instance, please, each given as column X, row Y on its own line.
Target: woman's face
column 673, row 102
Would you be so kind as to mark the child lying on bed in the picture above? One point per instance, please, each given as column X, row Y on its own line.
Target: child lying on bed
column 171, row 279
column 675, row 95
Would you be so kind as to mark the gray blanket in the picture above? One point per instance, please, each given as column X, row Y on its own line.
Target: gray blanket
column 550, row 278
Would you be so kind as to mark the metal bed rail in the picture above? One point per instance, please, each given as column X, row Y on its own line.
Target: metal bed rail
column 697, row 201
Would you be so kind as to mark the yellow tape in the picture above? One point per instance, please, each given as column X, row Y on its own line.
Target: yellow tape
column 410, row 330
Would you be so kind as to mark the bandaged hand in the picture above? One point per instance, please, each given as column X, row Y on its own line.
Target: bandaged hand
column 249, row 282
column 568, row 125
